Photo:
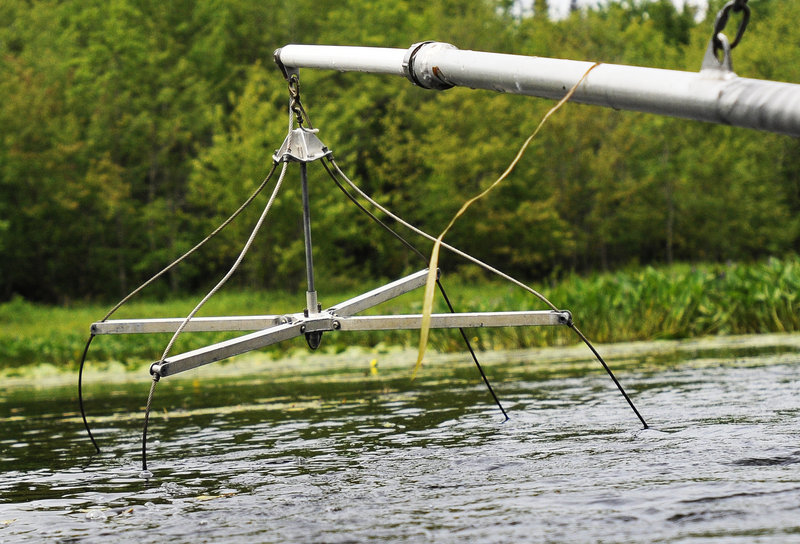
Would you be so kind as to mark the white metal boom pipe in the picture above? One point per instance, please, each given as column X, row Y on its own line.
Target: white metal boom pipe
column 715, row 94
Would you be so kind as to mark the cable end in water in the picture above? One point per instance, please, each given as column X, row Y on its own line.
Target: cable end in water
column 80, row 393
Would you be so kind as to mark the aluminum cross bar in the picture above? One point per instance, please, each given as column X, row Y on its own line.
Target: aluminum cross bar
column 715, row 94
column 327, row 321
column 228, row 348
column 466, row 320
column 197, row 324
column 258, row 322
column 381, row 294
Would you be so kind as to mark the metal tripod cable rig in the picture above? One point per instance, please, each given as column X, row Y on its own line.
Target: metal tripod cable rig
column 302, row 145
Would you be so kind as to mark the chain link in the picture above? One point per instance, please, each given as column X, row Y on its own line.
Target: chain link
column 735, row 6
column 295, row 105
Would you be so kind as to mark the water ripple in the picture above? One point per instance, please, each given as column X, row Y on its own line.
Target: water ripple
column 384, row 459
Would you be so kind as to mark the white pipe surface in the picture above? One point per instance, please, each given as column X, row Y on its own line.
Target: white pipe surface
column 714, row 95
column 373, row 60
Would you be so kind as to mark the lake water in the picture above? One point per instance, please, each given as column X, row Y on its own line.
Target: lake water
column 323, row 449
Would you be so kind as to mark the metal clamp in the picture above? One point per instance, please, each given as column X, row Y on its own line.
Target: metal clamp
column 301, row 145
column 422, row 76
column 713, row 64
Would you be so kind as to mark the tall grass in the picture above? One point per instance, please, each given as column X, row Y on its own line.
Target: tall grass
column 648, row 303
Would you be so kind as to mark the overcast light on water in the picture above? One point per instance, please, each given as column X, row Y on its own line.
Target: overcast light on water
column 333, row 449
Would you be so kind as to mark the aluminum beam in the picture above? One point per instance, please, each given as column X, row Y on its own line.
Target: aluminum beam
column 381, row 294
column 467, row 320
column 327, row 321
column 715, row 94
column 196, row 324
column 229, row 348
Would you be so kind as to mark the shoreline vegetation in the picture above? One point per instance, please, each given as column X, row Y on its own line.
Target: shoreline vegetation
column 131, row 129
column 636, row 304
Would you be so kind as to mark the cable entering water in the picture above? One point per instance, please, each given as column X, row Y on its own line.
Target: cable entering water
column 419, row 254
column 163, row 271
column 491, row 269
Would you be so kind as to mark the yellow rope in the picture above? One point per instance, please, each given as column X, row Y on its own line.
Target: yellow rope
column 427, row 304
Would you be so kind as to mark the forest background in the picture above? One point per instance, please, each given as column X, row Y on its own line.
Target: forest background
column 131, row 128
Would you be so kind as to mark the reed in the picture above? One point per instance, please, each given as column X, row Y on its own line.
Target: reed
column 679, row 301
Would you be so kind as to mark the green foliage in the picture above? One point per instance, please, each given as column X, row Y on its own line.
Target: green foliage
column 131, row 129
column 646, row 303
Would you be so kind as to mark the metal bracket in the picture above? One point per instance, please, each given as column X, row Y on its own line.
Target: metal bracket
column 423, row 76
column 287, row 72
column 301, row 145
column 712, row 64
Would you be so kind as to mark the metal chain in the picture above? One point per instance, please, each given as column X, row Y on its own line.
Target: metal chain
column 295, row 105
column 735, row 6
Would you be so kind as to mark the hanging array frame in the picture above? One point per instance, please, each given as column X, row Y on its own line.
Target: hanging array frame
column 271, row 329
column 303, row 146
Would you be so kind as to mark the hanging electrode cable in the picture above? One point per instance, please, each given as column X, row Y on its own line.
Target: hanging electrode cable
column 296, row 112
column 491, row 269
column 419, row 254
column 157, row 275
column 205, row 299
column 156, row 378
column 80, row 393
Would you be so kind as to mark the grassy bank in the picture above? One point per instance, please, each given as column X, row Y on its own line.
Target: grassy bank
column 679, row 301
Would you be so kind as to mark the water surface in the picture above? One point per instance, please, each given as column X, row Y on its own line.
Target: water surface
column 325, row 450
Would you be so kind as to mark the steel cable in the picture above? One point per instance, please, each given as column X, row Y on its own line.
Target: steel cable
column 216, row 231
column 235, row 265
column 495, row 271
column 211, row 293
column 163, row 271
column 416, row 251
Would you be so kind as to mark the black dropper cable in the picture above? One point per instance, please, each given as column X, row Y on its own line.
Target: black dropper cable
column 417, row 252
column 80, row 392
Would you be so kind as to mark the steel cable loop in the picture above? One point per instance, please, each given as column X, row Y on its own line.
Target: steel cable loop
column 235, row 265
column 419, row 254
column 495, row 271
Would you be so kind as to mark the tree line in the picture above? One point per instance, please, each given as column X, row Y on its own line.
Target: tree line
column 132, row 128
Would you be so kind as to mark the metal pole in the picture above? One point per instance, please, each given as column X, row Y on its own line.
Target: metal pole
column 715, row 94
column 311, row 293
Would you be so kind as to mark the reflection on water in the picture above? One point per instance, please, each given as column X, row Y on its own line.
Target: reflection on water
column 337, row 454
